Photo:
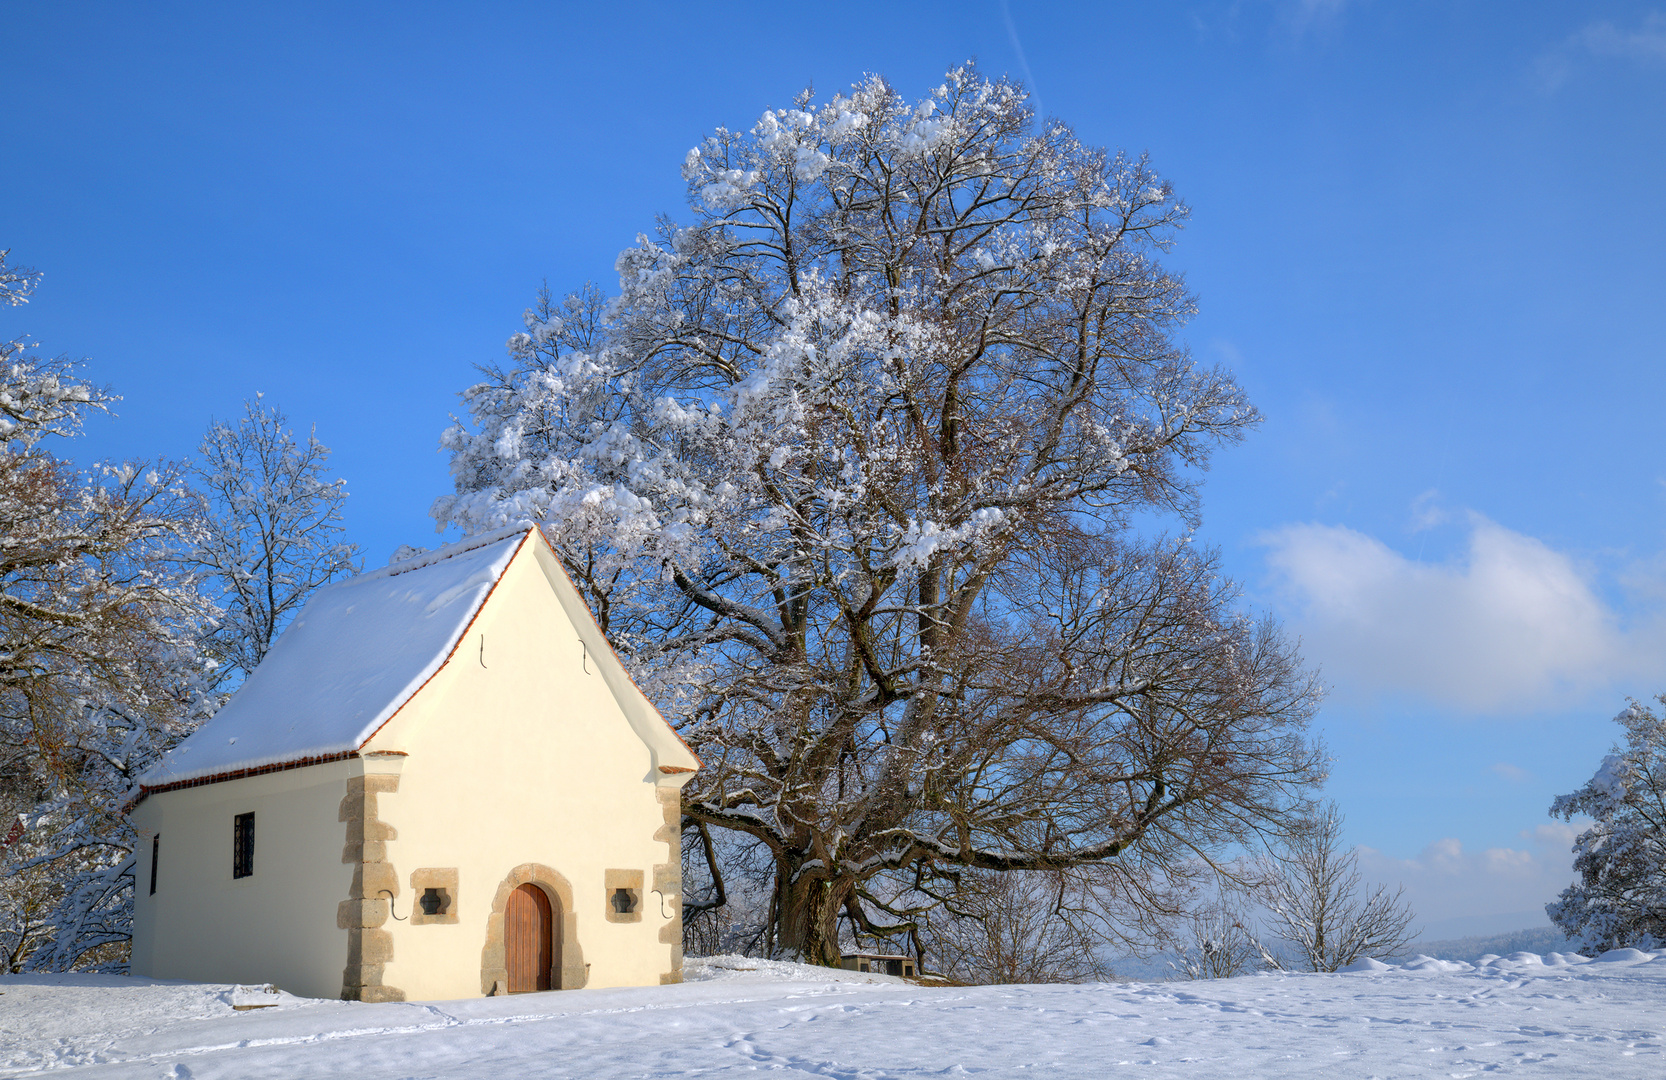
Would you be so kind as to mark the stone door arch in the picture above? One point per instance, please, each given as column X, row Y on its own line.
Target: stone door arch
column 567, row 967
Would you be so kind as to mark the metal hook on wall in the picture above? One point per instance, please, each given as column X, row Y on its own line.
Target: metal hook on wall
column 482, row 650
column 663, row 913
column 392, row 899
column 586, row 658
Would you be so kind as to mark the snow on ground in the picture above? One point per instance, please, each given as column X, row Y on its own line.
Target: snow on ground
column 1554, row 1016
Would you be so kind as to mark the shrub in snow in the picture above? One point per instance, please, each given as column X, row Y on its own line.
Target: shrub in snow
column 1216, row 942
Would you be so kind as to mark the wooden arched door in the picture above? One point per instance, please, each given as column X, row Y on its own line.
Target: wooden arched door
column 529, row 939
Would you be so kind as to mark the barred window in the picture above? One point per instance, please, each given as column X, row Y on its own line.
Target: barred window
column 155, row 853
column 243, row 846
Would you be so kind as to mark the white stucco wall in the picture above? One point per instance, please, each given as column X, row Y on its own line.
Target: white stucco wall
column 518, row 752
column 277, row 925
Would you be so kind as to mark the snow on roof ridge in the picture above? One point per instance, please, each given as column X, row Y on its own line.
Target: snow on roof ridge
column 429, row 558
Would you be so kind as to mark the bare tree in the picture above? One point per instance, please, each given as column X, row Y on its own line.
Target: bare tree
column 846, row 472
column 273, row 533
column 1319, row 905
column 30, row 892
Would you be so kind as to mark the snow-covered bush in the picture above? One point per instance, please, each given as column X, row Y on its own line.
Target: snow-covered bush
column 1620, row 897
column 1217, row 942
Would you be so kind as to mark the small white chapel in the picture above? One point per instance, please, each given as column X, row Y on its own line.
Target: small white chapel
column 440, row 783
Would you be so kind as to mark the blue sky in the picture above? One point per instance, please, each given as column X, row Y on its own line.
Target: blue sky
column 1430, row 239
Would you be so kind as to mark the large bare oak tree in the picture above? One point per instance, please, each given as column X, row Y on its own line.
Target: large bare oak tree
column 848, row 472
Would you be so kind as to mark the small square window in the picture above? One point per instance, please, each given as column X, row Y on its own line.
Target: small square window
column 433, row 895
column 243, row 846
column 622, row 900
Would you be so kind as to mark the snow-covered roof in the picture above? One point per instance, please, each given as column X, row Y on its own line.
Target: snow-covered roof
column 357, row 652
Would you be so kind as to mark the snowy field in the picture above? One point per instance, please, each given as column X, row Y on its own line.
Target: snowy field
column 1555, row 1016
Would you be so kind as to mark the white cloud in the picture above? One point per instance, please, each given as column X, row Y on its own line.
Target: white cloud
column 1646, row 44
column 1426, row 512
column 1292, row 18
column 1304, row 15
column 1511, row 625
column 1446, row 882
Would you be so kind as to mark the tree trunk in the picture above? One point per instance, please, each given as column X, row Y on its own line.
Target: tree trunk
column 807, row 907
